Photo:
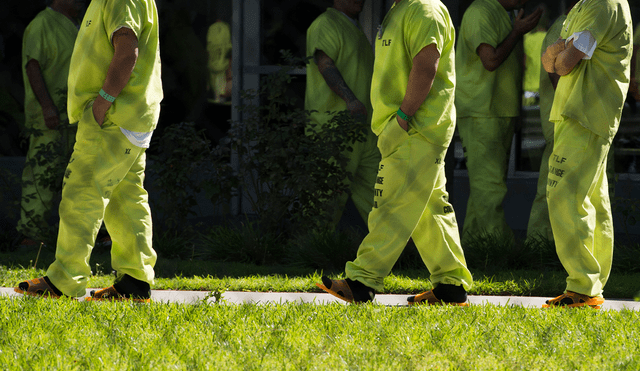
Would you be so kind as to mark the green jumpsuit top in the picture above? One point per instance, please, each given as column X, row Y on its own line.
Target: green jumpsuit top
column 532, row 43
column 348, row 47
column 546, row 87
column 49, row 40
column 409, row 27
column 137, row 108
column 482, row 93
column 593, row 93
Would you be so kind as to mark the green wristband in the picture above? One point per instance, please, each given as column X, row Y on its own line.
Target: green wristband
column 403, row 115
column 106, row 96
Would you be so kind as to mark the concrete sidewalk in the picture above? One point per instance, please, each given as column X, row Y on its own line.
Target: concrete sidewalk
column 236, row 297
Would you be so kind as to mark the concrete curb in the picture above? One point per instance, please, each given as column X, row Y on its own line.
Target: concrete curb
column 237, row 297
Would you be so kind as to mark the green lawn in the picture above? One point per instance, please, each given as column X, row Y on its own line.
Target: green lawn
column 64, row 334
column 39, row 334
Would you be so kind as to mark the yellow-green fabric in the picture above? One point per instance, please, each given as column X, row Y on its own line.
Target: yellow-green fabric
column 585, row 95
column 48, row 39
column 410, row 26
column 482, row 93
column 411, row 201
column 486, row 142
column 586, row 112
column 219, row 50
column 532, row 43
column 103, row 181
column 486, row 102
column 363, row 165
column 35, row 211
column 410, row 198
column 137, row 108
column 348, row 47
column 580, row 210
column 539, row 225
column 546, row 87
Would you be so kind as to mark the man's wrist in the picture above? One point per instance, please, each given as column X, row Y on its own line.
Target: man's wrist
column 107, row 96
column 403, row 115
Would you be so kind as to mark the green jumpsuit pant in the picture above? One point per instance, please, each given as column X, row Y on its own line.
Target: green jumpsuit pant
column 103, row 181
column 539, row 225
column 486, row 142
column 36, row 204
column 579, row 207
column 363, row 165
column 410, row 201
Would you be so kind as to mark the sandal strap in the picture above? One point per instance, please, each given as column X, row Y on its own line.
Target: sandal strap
column 339, row 289
column 576, row 300
column 110, row 293
column 429, row 298
column 36, row 287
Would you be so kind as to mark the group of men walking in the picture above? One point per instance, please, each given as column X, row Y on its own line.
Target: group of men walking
column 412, row 93
column 416, row 79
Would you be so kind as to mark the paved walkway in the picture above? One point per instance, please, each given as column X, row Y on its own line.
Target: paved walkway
column 236, row 297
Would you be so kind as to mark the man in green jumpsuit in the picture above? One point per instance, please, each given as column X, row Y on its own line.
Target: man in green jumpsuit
column 338, row 79
column 489, row 70
column 46, row 52
column 539, row 226
column 114, row 94
column 593, row 59
column 412, row 93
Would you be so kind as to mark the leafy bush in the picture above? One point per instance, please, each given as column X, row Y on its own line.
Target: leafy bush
column 326, row 249
column 176, row 170
column 287, row 171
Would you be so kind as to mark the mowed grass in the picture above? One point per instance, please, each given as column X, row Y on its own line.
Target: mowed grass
column 69, row 335
column 245, row 277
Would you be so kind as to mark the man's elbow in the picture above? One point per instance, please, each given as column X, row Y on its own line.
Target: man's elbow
column 490, row 65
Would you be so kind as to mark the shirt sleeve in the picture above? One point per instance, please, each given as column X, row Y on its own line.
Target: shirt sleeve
column 123, row 14
column 479, row 30
column 34, row 43
column 596, row 19
column 585, row 42
column 423, row 29
column 322, row 36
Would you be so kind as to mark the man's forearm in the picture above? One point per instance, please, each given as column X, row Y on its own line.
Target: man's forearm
column 421, row 77
column 38, row 86
column 333, row 77
column 494, row 57
column 551, row 54
column 120, row 69
column 122, row 64
column 568, row 59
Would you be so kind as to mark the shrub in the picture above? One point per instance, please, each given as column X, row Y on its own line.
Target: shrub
column 286, row 170
column 176, row 170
